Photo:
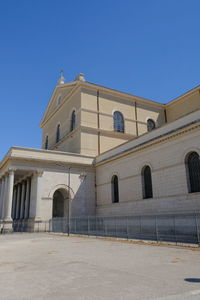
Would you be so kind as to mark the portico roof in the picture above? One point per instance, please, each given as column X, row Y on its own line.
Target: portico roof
column 45, row 156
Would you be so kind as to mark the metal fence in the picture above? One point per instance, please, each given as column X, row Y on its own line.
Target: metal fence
column 170, row 228
column 182, row 228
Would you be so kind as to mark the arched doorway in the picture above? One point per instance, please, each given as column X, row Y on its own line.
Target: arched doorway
column 60, row 203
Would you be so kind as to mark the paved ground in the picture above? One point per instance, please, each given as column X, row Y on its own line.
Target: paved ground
column 42, row 266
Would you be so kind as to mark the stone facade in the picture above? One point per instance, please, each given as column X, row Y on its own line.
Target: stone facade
column 81, row 159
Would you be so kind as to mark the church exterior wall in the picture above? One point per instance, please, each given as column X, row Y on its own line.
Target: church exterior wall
column 63, row 117
column 183, row 105
column 135, row 115
column 169, row 180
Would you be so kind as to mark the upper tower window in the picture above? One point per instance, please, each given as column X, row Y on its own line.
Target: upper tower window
column 118, row 121
column 46, row 142
column 58, row 133
column 150, row 125
column 73, row 121
column 59, row 99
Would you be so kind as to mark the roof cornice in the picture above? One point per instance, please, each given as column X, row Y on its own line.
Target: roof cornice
column 120, row 94
column 188, row 93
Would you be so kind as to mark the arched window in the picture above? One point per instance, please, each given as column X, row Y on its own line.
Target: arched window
column 58, row 134
column 115, row 189
column 193, row 166
column 46, row 142
column 118, row 121
column 147, row 183
column 73, row 121
column 150, row 125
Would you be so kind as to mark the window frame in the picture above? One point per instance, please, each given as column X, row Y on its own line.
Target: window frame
column 58, row 133
column 147, row 187
column 115, row 189
column 151, row 121
column 116, row 123
column 73, row 120
column 193, row 186
column 46, row 142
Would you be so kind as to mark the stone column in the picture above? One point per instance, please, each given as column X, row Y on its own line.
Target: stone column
column 4, row 196
column 22, row 200
column 36, row 196
column 9, row 196
column 1, row 197
column 14, row 202
column 17, row 211
column 27, row 199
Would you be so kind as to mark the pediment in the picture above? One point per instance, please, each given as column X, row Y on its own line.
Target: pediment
column 59, row 95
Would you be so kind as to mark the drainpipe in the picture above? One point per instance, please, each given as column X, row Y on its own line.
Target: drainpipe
column 136, row 122
column 69, row 207
column 98, row 122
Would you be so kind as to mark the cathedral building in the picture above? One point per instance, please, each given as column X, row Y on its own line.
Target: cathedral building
column 106, row 153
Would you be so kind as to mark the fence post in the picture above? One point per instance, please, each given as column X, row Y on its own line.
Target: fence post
column 197, row 229
column 115, row 226
column 175, row 228
column 156, row 224
column 75, row 225
column 127, row 227
column 140, row 226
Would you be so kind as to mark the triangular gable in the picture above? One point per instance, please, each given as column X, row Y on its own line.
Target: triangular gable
column 64, row 91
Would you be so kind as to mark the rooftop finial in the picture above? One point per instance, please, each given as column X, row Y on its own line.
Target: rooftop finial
column 80, row 77
column 61, row 80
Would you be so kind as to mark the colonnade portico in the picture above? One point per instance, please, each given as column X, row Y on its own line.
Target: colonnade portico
column 16, row 194
column 21, row 199
column 6, row 195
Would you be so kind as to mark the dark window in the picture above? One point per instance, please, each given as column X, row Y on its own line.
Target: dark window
column 73, row 121
column 46, row 142
column 147, row 183
column 118, row 121
column 150, row 125
column 58, row 134
column 115, row 189
column 193, row 165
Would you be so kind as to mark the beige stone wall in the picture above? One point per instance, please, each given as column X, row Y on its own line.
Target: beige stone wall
column 88, row 139
column 56, row 176
column 63, row 117
column 170, row 189
column 82, row 191
column 183, row 106
column 108, row 104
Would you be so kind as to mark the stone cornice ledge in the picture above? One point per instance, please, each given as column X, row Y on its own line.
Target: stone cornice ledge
column 47, row 156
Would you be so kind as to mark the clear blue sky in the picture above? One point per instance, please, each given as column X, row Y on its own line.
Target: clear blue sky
column 147, row 48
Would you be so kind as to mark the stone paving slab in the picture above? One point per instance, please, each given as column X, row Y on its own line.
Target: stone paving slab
column 44, row 266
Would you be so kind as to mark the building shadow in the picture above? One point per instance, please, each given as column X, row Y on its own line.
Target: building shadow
column 193, row 280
